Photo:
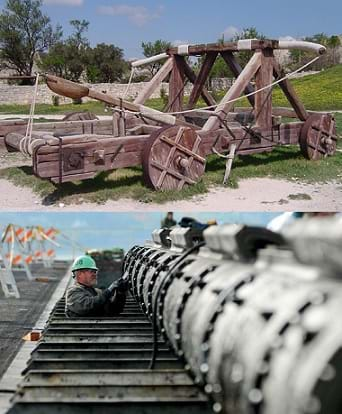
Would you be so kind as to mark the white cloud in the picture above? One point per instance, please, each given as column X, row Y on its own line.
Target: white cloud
column 138, row 15
column 76, row 3
column 230, row 32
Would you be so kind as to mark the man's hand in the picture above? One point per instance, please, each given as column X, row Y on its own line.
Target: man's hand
column 122, row 285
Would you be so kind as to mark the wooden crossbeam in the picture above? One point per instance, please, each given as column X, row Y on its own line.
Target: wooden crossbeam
column 191, row 160
column 255, row 44
column 174, row 145
column 234, row 92
column 236, row 69
column 290, row 93
column 173, row 172
column 190, row 74
column 203, row 74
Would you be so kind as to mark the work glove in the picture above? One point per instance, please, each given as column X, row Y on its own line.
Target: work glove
column 122, row 285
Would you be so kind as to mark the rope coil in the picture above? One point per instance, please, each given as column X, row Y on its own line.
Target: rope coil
column 25, row 142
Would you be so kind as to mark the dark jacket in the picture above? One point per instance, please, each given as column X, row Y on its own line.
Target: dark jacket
column 81, row 300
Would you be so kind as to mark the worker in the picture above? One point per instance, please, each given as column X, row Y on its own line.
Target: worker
column 83, row 299
column 168, row 221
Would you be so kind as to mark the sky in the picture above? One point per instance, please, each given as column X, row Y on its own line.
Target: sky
column 108, row 230
column 127, row 23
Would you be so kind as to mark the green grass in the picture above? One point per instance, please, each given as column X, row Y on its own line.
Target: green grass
column 45, row 109
column 320, row 92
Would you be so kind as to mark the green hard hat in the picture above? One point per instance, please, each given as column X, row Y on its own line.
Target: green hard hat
column 84, row 262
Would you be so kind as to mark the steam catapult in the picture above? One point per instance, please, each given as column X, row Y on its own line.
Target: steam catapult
column 172, row 147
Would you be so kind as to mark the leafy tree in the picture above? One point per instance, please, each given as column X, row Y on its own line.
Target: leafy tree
column 334, row 42
column 24, row 32
column 68, row 58
column 155, row 48
column 105, row 64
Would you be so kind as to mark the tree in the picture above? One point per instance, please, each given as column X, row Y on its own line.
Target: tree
column 155, row 48
column 246, row 33
column 334, row 42
column 105, row 64
column 68, row 58
column 24, row 32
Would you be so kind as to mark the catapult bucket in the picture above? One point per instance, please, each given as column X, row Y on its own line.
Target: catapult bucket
column 66, row 88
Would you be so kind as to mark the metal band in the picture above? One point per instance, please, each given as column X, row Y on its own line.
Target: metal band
column 183, row 50
column 245, row 44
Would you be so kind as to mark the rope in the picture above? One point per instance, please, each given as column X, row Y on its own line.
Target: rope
column 25, row 142
column 129, row 83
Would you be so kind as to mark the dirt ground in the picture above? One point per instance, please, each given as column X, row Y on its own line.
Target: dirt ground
column 258, row 194
column 261, row 194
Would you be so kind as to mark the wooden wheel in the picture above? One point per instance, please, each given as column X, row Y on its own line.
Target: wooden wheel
column 318, row 137
column 173, row 158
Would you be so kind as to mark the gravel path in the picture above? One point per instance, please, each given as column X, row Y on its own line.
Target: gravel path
column 259, row 194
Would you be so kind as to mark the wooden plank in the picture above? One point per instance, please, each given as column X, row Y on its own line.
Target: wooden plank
column 62, row 128
column 236, row 69
column 227, row 46
column 234, row 92
column 90, row 150
column 263, row 99
column 97, row 142
column 190, row 74
column 122, row 160
column 74, row 177
column 207, row 65
column 290, row 93
column 176, row 86
column 154, row 83
column 277, row 135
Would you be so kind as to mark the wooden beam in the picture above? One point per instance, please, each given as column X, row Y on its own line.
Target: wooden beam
column 208, row 63
column 290, row 93
column 236, row 69
column 263, row 99
column 190, row 74
column 228, row 46
column 176, row 86
column 234, row 92
column 154, row 83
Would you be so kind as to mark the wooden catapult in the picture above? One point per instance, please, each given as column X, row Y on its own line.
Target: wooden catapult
column 172, row 147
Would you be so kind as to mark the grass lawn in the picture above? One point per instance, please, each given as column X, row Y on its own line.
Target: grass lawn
column 318, row 92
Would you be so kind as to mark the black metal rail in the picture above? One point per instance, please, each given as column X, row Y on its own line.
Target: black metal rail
column 101, row 366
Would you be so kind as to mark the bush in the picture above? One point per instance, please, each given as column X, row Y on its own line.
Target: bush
column 55, row 100
column 77, row 101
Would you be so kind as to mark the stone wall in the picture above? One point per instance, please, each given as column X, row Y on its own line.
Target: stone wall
column 10, row 94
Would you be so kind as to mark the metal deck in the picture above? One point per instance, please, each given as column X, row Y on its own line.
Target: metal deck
column 101, row 365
